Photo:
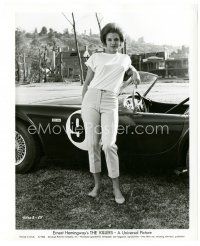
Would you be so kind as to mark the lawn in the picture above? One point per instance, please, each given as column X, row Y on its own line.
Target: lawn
column 55, row 197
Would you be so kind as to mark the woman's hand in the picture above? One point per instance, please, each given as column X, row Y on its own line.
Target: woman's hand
column 136, row 109
column 88, row 79
column 83, row 92
column 134, row 75
column 135, row 78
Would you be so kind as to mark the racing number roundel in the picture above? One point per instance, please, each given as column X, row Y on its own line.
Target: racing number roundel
column 75, row 130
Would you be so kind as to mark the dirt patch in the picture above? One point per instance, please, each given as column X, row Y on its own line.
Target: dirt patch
column 163, row 91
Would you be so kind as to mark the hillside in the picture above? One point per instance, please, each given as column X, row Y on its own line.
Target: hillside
column 33, row 51
column 66, row 42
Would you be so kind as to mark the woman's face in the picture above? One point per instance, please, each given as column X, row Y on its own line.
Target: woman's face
column 113, row 42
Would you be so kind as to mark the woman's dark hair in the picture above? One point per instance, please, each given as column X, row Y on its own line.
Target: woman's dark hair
column 111, row 28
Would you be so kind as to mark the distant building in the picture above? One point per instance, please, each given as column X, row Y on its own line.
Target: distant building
column 181, row 53
column 161, row 64
column 70, row 64
column 176, row 67
column 177, row 63
column 153, row 62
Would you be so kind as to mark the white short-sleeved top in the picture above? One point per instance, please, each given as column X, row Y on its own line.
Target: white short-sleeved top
column 108, row 70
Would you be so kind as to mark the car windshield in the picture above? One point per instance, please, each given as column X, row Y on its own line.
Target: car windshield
column 172, row 90
column 146, row 78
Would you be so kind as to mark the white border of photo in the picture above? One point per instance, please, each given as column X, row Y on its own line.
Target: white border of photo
column 7, row 180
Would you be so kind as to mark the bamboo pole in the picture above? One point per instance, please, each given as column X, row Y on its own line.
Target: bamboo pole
column 77, row 48
column 60, row 64
column 45, row 73
column 39, row 66
column 53, row 58
column 24, row 66
column 99, row 23
column 18, row 67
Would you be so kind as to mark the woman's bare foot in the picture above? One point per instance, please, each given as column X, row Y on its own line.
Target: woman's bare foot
column 94, row 192
column 117, row 192
column 118, row 196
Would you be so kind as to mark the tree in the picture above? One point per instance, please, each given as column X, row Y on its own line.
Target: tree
column 21, row 45
column 43, row 31
column 21, row 49
column 19, row 37
column 66, row 31
column 35, row 41
column 51, row 31
column 29, row 35
column 51, row 37
column 51, row 34
column 141, row 40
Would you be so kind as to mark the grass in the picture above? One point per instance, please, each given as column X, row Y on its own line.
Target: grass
column 59, row 196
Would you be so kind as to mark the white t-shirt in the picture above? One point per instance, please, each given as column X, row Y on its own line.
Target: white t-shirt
column 108, row 70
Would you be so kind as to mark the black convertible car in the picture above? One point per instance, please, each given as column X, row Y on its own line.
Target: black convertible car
column 155, row 133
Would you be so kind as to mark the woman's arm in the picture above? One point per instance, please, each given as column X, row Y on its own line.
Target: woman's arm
column 135, row 75
column 88, row 79
column 126, row 83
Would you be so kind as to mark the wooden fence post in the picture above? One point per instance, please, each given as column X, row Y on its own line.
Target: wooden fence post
column 39, row 79
column 45, row 73
column 24, row 66
column 60, row 64
column 77, row 48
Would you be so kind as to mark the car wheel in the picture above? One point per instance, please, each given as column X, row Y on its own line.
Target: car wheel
column 26, row 149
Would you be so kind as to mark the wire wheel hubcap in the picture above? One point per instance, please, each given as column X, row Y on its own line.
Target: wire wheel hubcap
column 20, row 148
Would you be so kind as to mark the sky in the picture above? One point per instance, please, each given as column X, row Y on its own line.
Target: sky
column 168, row 24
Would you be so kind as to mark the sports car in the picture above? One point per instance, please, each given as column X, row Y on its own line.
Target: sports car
column 148, row 132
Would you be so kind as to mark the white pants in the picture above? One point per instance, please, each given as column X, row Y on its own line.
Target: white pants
column 100, row 116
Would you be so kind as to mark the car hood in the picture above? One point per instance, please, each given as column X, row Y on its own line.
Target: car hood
column 70, row 100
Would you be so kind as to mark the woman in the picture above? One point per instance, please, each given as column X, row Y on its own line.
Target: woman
column 100, row 105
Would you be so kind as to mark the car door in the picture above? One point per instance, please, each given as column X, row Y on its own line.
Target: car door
column 149, row 133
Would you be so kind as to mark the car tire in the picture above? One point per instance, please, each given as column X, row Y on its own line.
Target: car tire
column 26, row 149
